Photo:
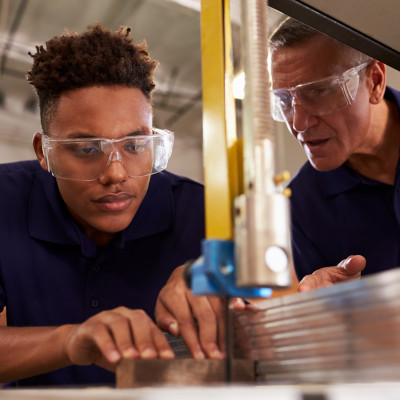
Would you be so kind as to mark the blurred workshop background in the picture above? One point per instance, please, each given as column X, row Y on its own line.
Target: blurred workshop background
column 172, row 31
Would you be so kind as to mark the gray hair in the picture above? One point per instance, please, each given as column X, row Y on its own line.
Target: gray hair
column 292, row 32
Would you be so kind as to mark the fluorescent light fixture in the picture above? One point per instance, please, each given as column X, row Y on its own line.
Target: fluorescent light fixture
column 238, row 86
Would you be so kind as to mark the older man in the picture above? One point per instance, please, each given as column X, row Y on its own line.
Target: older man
column 335, row 102
column 345, row 205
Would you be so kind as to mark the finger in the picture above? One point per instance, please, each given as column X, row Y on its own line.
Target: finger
column 141, row 327
column 101, row 336
column 216, row 347
column 353, row 265
column 190, row 333
column 161, row 343
column 252, row 307
column 307, row 283
column 165, row 320
column 347, row 269
column 320, row 278
column 208, row 312
column 177, row 304
column 120, row 328
column 238, row 304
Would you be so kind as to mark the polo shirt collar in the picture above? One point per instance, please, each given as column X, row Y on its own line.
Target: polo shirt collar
column 49, row 219
column 344, row 178
column 338, row 181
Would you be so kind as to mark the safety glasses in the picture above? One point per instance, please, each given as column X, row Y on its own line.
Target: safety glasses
column 87, row 159
column 319, row 98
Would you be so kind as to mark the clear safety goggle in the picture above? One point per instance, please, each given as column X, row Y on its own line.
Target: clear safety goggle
column 319, row 97
column 87, row 159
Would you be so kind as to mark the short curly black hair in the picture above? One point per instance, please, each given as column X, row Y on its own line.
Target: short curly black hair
column 97, row 57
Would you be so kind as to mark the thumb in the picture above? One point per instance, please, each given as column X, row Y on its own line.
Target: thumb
column 165, row 320
column 353, row 265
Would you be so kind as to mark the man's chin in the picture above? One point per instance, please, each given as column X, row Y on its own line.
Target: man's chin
column 108, row 227
column 323, row 165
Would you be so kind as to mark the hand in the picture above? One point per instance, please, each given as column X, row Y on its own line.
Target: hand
column 347, row 269
column 111, row 335
column 177, row 311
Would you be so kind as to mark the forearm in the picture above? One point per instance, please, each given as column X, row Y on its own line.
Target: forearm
column 26, row 352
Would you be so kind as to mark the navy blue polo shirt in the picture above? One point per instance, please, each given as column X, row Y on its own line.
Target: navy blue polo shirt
column 52, row 274
column 340, row 213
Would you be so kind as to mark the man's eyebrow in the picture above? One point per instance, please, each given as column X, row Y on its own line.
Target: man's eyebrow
column 86, row 135
column 142, row 131
column 80, row 135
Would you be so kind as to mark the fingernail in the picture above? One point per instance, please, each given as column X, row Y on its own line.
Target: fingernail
column 216, row 354
column 236, row 300
column 167, row 354
column 173, row 328
column 199, row 355
column 130, row 353
column 148, row 353
column 114, row 356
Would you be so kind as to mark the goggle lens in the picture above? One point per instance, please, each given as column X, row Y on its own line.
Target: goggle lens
column 88, row 159
column 318, row 98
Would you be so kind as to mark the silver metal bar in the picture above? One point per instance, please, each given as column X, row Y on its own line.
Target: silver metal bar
column 258, row 143
column 262, row 241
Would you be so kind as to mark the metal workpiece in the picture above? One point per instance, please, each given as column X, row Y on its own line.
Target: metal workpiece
column 343, row 333
column 349, row 332
column 262, row 238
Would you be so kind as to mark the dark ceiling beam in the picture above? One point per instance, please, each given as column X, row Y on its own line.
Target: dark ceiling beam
column 14, row 27
column 14, row 73
column 338, row 30
column 171, row 85
column 184, row 109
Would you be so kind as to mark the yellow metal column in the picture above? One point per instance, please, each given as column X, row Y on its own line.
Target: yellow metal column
column 219, row 124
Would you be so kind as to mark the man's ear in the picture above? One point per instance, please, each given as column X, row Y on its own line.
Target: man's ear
column 37, row 147
column 377, row 75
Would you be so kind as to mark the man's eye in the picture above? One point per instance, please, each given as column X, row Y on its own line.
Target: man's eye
column 320, row 91
column 136, row 146
column 84, row 149
column 285, row 99
column 89, row 150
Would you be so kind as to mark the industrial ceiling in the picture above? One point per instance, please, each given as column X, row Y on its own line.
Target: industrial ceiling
column 170, row 27
column 172, row 31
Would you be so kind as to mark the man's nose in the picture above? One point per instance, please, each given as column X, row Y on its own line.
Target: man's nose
column 302, row 119
column 115, row 171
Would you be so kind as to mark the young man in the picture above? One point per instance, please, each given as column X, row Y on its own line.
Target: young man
column 344, row 201
column 90, row 233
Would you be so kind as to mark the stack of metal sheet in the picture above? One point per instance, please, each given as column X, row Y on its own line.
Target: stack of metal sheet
column 346, row 332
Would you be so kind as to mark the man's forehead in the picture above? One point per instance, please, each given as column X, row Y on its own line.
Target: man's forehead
column 304, row 63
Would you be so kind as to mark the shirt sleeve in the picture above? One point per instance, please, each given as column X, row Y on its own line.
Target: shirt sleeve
column 2, row 297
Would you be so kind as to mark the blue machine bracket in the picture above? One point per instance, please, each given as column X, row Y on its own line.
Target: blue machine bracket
column 214, row 272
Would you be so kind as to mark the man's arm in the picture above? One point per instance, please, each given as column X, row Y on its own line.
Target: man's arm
column 102, row 340
column 198, row 319
column 347, row 269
